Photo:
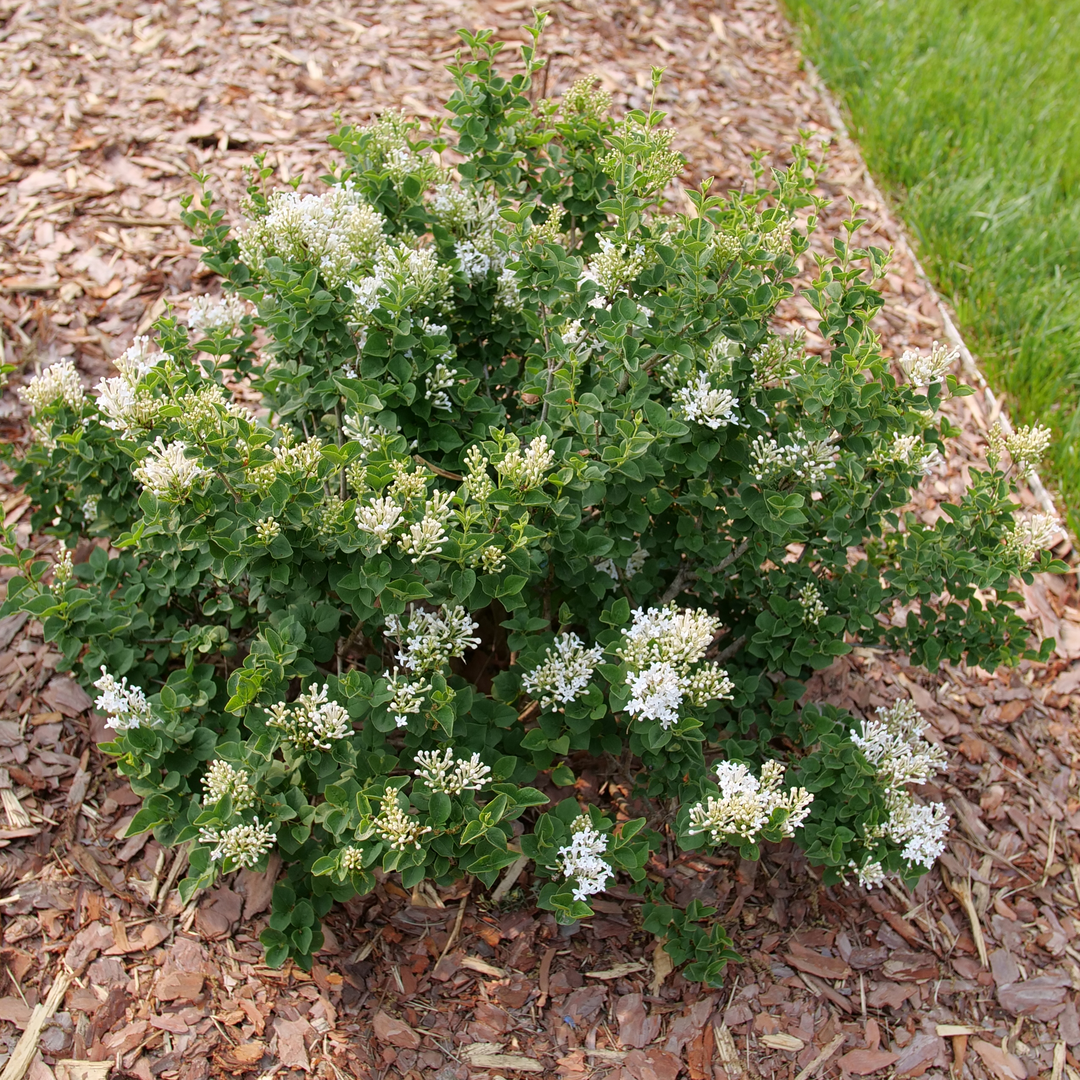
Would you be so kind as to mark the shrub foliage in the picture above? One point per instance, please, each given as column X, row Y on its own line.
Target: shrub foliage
column 486, row 467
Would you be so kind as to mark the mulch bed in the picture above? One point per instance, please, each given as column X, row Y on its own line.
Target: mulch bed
column 974, row 974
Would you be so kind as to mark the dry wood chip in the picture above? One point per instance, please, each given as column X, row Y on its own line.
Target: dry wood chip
column 780, row 1041
column 475, row 963
column 489, row 1056
column 616, row 972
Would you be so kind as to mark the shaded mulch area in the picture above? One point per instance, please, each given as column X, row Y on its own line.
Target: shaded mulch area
column 973, row 974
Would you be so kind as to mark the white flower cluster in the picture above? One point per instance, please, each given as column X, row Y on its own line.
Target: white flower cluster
column 267, row 530
column 168, row 472
column 336, row 231
column 452, row 775
column 924, row 370
column 222, row 779
column 244, row 844
column 379, row 518
column 125, row 706
column 60, row 382
column 127, row 407
column 564, row 673
column 475, row 265
column 526, row 470
column 351, row 859
column 660, row 648
column 408, row 696
column 1029, row 536
column 777, row 359
column 398, row 829
column 207, row 313
column 63, row 570
column 478, row 485
column 810, row 601
column 810, row 460
column 637, row 560
column 910, row 450
column 90, row 508
column 702, row 404
column 204, row 410
column 746, row 804
column 430, row 639
column 612, row 267
column 312, row 722
column 1026, row 445
column 870, row 874
column 411, row 276
column 582, row 859
column 388, row 146
column 424, row 538
column 438, row 382
column 894, row 745
column 290, row 459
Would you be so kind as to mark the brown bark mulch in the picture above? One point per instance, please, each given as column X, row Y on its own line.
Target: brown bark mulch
column 975, row 974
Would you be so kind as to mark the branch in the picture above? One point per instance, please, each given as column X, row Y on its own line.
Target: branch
column 686, row 575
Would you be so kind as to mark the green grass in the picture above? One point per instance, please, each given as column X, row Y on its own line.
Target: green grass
column 969, row 116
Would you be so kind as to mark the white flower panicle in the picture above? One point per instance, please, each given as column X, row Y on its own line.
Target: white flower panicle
column 924, row 370
column 397, row 828
column 408, row 697
column 267, row 530
column 442, row 771
column 910, row 450
column 336, row 231
column 430, row 639
column 478, row 484
column 474, row 263
column 527, row 469
column 126, row 406
column 168, row 472
column 894, row 745
column 810, row 460
column 312, row 722
column 90, row 508
column 63, row 570
column 702, row 404
column 438, row 382
column 921, row 828
column 424, row 538
column 1026, row 445
column 351, row 859
column 222, row 779
column 810, row 601
column 582, row 859
column 208, row 313
column 660, row 648
column 564, row 673
column 364, row 430
column 408, row 486
column 379, row 518
column 746, row 805
column 244, row 844
column 1025, row 539
column 870, row 874
column 614, row 266
column 59, row 382
column 125, row 706
column 656, row 693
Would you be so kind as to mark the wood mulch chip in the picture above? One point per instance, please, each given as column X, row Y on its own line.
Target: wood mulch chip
column 111, row 105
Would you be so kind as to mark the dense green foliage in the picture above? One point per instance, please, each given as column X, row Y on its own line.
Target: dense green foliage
column 507, row 417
